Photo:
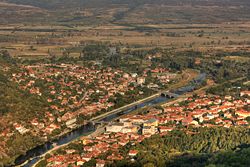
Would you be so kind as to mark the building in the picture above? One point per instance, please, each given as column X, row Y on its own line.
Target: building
column 130, row 129
column 116, row 127
column 151, row 122
column 242, row 113
column 187, row 121
column 127, row 123
column 71, row 123
column 243, row 93
column 133, row 153
column 80, row 162
column 140, row 80
column 100, row 163
column 165, row 129
column 148, row 130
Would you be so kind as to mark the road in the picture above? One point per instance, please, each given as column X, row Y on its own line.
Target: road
column 99, row 117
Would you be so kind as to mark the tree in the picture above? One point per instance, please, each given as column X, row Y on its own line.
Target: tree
column 42, row 163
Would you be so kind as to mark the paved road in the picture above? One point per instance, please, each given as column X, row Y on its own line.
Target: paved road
column 99, row 117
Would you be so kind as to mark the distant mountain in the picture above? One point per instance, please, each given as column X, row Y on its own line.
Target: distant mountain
column 126, row 11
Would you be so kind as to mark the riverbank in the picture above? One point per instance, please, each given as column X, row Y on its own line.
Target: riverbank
column 91, row 135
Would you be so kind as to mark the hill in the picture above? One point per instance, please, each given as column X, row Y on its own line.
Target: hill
column 15, row 106
column 12, row 13
column 127, row 11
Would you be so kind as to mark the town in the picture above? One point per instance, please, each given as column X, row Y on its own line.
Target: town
column 117, row 83
column 196, row 111
column 76, row 93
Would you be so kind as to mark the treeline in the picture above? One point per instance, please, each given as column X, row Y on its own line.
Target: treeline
column 6, row 59
column 223, row 70
column 219, row 69
column 197, row 147
column 229, row 88
column 237, row 158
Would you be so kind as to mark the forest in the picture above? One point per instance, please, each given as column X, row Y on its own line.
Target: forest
column 208, row 147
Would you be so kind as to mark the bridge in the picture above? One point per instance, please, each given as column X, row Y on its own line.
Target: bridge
column 169, row 95
column 97, row 122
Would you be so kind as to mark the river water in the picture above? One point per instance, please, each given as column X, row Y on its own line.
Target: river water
column 32, row 156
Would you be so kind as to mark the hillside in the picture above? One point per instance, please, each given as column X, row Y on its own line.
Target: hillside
column 15, row 106
column 11, row 13
column 12, row 99
column 204, row 147
column 126, row 11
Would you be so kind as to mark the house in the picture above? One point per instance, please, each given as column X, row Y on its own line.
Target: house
column 140, row 80
column 35, row 122
column 51, row 128
column 56, row 160
column 100, row 163
column 86, row 157
column 187, row 121
column 228, row 97
column 243, row 93
column 242, row 113
column 123, row 142
column 133, row 153
column 163, row 120
column 70, row 151
column 125, row 75
column 134, row 75
column 20, row 128
column 88, row 148
column 210, row 116
column 165, row 129
column 218, row 121
column 80, row 162
column 242, row 122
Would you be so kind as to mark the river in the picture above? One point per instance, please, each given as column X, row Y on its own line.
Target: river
column 33, row 155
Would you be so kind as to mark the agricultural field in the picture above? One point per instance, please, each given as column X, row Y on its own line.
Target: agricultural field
column 36, row 28
column 36, row 41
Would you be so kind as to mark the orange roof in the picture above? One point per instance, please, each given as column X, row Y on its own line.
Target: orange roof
column 133, row 152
